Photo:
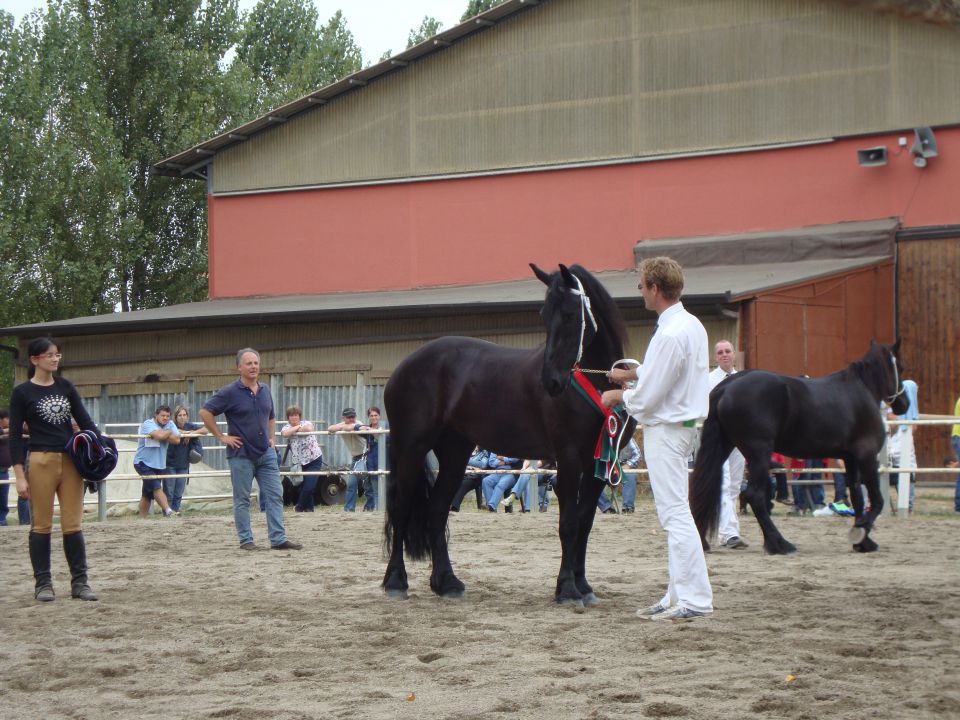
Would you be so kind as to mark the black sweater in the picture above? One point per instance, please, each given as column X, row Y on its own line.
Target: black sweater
column 47, row 411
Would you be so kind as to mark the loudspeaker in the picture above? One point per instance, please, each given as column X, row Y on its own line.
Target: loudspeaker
column 872, row 157
column 924, row 146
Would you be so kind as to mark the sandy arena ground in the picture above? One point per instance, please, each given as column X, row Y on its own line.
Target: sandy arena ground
column 190, row 626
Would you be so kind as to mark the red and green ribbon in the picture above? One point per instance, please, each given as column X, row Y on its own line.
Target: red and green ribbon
column 607, row 451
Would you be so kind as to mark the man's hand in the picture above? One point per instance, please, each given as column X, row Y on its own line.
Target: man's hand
column 231, row 441
column 23, row 490
column 620, row 376
column 610, row 398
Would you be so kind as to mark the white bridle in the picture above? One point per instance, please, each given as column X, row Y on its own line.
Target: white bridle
column 586, row 312
column 896, row 381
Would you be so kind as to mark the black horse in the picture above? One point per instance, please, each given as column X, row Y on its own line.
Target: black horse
column 457, row 392
column 836, row 416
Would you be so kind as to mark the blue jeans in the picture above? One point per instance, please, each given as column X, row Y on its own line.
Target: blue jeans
column 305, row 499
column 265, row 469
column 816, row 495
column 173, row 487
column 495, row 487
column 628, row 493
column 23, row 506
column 955, row 441
column 369, row 488
column 520, row 490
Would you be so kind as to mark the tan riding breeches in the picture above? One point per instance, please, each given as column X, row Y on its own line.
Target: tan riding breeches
column 49, row 474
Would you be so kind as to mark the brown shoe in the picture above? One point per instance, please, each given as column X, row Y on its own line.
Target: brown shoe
column 287, row 545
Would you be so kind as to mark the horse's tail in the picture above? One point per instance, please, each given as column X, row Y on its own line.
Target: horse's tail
column 706, row 481
column 406, row 515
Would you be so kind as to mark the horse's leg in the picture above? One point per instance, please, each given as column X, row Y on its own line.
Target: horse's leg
column 866, row 471
column 567, row 491
column 586, row 512
column 757, row 493
column 452, row 451
column 397, row 519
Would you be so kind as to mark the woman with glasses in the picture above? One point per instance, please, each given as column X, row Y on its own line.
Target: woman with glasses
column 47, row 403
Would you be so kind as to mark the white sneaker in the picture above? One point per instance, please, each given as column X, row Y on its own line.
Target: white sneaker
column 679, row 614
column 648, row 613
column 825, row 511
column 508, row 500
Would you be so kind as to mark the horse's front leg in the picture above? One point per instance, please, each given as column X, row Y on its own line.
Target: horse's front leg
column 452, row 453
column 866, row 472
column 566, row 490
column 590, row 491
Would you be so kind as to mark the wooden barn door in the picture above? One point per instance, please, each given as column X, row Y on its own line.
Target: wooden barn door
column 928, row 304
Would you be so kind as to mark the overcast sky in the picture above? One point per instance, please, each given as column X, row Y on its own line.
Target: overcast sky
column 377, row 25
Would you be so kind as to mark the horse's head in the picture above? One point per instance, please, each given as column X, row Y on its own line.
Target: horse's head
column 571, row 326
column 887, row 358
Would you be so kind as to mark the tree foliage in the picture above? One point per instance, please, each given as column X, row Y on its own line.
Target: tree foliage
column 428, row 28
column 475, row 7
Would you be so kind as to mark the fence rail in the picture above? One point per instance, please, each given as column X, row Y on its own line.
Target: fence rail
column 885, row 469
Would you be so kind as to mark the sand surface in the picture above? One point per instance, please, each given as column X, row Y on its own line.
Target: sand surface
column 190, row 626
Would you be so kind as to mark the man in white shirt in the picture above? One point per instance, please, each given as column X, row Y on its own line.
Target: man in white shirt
column 669, row 397
column 729, row 529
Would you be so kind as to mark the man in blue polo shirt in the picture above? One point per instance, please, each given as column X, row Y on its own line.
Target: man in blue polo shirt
column 251, row 426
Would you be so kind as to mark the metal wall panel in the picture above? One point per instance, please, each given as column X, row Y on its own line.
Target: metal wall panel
column 573, row 81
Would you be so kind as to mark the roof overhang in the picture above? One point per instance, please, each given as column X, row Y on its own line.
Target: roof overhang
column 709, row 288
column 190, row 163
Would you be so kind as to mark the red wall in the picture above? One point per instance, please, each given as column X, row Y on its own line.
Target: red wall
column 487, row 229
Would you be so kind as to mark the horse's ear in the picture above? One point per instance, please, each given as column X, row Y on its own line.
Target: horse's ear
column 568, row 277
column 896, row 347
column 544, row 277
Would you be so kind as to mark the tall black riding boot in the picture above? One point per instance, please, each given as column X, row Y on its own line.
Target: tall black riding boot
column 40, row 559
column 76, row 551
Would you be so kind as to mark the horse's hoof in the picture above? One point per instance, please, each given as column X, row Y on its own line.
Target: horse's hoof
column 856, row 535
column 452, row 595
column 866, row 546
column 781, row 548
column 590, row 600
column 575, row 603
column 395, row 593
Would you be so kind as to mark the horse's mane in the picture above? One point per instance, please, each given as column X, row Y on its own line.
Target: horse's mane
column 873, row 370
column 605, row 310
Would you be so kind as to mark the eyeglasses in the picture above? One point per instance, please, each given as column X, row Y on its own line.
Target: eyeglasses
column 50, row 356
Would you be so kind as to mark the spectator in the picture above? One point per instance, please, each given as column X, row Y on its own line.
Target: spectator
column 150, row 460
column 494, row 486
column 371, row 483
column 358, row 447
column 669, row 398
column 251, row 425
column 178, row 456
column 304, row 451
column 520, row 489
column 479, row 460
column 23, row 507
column 809, row 498
column 630, row 458
column 47, row 403
column 955, row 442
column 728, row 528
column 901, row 451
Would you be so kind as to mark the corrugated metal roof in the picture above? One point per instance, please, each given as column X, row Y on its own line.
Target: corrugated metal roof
column 188, row 162
column 703, row 285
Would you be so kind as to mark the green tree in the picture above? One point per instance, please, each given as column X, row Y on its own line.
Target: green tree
column 428, row 28
column 286, row 53
column 95, row 91
column 475, row 7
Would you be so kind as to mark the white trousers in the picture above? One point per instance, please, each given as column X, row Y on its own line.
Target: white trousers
column 666, row 448
column 730, row 499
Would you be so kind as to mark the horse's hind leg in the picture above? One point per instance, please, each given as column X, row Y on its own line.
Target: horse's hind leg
column 403, row 490
column 452, row 451
column 395, row 578
column 757, row 494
